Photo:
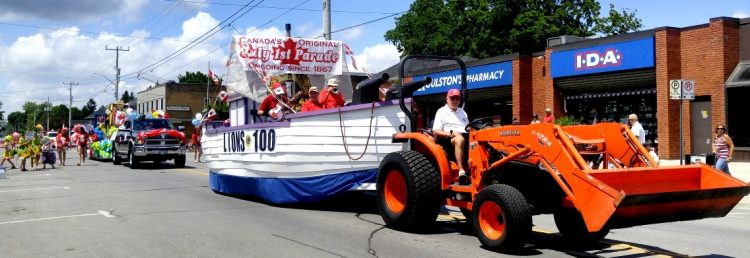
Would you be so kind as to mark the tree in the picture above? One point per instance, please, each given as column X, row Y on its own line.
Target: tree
column 126, row 97
column 89, row 108
column 2, row 113
column 485, row 28
column 58, row 116
column 196, row 77
column 17, row 121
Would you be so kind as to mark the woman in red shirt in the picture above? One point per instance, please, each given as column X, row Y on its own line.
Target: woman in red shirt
column 82, row 140
column 195, row 143
column 61, row 141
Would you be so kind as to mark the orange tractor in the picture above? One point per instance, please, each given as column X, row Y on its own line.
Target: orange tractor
column 520, row 171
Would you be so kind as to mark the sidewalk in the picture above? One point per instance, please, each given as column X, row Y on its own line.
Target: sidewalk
column 740, row 170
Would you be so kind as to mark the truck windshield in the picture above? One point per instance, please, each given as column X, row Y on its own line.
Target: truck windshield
column 150, row 124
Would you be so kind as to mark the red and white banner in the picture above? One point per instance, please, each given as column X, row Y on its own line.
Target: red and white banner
column 290, row 55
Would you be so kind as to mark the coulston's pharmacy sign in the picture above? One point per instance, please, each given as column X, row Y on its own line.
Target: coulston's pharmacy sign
column 482, row 76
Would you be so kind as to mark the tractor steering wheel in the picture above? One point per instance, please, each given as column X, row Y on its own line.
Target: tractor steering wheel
column 479, row 123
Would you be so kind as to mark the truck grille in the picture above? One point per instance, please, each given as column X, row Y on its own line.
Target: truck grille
column 162, row 140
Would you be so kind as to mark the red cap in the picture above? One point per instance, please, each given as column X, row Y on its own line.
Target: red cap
column 454, row 92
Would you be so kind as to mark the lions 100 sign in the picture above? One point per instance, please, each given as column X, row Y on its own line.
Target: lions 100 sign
column 256, row 141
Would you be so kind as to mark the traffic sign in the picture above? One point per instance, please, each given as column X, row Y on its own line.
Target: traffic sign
column 675, row 89
column 688, row 89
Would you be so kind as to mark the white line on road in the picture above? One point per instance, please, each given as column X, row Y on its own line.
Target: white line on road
column 99, row 212
column 20, row 176
column 35, row 189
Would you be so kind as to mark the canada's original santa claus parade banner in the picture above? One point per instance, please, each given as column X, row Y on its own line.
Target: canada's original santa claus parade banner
column 290, row 55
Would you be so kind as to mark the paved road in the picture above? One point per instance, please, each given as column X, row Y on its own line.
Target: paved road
column 102, row 210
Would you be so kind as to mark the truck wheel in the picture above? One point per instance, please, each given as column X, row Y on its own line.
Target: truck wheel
column 115, row 158
column 408, row 191
column 502, row 217
column 179, row 161
column 134, row 162
column 570, row 224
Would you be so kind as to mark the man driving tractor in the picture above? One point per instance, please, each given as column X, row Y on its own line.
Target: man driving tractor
column 450, row 123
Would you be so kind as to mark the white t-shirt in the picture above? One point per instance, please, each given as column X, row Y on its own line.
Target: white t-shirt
column 447, row 120
column 639, row 132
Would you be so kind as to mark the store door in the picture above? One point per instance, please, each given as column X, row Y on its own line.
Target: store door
column 701, row 126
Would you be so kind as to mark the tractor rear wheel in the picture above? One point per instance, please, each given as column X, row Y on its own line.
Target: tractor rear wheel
column 408, row 191
column 571, row 225
column 502, row 217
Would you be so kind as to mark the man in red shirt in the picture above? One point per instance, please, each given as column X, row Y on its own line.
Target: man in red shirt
column 331, row 97
column 312, row 104
column 548, row 118
column 270, row 106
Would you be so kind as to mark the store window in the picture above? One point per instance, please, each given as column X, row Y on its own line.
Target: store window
column 615, row 107
column 738, row 88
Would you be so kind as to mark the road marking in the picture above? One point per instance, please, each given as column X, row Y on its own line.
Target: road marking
column 22, row 176
column 98, row 213
column 35, row 189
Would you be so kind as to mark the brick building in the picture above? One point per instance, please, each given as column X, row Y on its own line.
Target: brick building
column 614, row 76
column 179, row 101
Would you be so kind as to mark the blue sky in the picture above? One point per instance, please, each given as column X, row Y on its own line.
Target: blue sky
column 35, row 59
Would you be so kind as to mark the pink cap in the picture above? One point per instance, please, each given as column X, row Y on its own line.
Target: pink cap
column 454, row 92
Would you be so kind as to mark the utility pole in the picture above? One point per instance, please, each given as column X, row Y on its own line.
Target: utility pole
column 70, row 106
column 117, row 66
column 327, row 19
column 47, row 108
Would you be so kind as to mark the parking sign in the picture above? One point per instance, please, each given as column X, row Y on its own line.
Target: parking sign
column 688, row 89
column 675, row 89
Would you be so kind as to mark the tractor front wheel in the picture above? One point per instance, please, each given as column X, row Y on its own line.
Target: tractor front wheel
column 408, row 191
column 502, row 217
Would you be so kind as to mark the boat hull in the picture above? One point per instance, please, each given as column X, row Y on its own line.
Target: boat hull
column 307, row 158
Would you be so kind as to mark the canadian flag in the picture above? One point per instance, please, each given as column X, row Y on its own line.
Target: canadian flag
column 212, row 75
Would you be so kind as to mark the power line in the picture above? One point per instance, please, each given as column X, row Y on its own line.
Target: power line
column 199, row 39
column 361, row 24
column 283, row 8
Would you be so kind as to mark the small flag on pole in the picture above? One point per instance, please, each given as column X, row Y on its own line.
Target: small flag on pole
column 212, row 75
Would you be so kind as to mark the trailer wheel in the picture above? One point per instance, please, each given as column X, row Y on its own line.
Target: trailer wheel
column 570, row 224
column 502, row 217
column 408, row 191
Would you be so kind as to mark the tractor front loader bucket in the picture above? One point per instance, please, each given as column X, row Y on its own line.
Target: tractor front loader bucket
column 675, row 193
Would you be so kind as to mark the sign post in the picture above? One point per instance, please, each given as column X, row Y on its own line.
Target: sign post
column 682, row 90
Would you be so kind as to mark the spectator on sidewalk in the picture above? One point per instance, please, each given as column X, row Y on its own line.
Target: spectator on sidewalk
column 723, row 148
column 637, row 128
column 549, row 118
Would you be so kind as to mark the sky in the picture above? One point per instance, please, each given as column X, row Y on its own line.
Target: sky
column 45, row 43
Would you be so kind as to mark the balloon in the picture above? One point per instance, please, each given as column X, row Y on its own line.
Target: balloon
column 16, row 135
column 8, row 138
column 196, row 122
column 155, row 114
column 133, row 116
column 128, row 111
column 198, row 116
column 108, row 112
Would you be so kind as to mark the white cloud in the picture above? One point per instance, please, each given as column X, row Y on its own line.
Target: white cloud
column 46, row 59
column 352, row 33
column 740, row 14
column 379, row 57
column 68, row 10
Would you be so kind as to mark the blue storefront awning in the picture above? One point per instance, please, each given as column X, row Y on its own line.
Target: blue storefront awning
column 482, row 76
column 619, row 56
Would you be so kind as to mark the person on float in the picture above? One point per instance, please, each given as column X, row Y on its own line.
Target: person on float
column 331, row 97
column 271, row 107
column 313, row 103
column 383, row 90
column 450, row 122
